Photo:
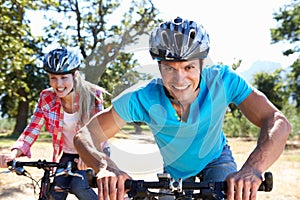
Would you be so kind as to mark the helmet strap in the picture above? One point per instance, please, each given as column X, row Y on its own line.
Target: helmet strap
column 168, row 93
column 201, row 64
column 73, row 73
column 71, row 91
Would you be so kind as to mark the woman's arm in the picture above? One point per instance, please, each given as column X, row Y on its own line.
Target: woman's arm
column 31, row 132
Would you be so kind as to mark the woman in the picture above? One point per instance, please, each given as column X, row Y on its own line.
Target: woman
column 63, row 109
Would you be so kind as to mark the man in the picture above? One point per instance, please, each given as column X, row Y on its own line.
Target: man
column 185, row 109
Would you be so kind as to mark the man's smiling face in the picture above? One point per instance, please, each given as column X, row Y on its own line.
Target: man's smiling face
column 181, row 79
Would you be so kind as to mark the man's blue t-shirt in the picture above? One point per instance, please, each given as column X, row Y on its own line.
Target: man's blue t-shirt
column 186, row 147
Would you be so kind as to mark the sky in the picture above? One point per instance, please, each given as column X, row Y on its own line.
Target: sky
column 238, row 29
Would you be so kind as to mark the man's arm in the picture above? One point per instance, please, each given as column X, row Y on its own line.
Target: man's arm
column 100, row 128
column 274, row 132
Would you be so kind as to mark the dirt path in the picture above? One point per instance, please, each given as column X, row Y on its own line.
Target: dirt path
column 285, row 172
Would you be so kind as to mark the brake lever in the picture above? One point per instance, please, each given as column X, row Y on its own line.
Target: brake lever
column 6, row 171
column 13, row 168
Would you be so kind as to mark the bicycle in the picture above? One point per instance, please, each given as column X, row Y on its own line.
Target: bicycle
column 140, row 189
column 45, row 182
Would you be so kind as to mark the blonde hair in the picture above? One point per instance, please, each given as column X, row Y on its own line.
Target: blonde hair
column 87, row 97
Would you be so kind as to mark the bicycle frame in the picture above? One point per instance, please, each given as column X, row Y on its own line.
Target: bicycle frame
column 45, row 185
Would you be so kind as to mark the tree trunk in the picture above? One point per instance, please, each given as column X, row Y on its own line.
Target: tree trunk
column 23, row 109
column 137, row 127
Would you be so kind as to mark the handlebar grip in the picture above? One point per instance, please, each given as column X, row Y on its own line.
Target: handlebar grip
column 10, row 163
column 128, row 184
column 267, row 184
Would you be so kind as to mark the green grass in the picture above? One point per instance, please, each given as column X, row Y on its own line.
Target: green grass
column 6, row 139
column 6, row 142
column 291, row 152
column 129, row 127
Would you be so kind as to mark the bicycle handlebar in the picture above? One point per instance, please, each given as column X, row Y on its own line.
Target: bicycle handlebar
column 45, row 182
column 210, row 190
column 39, row 164
column 17, row 166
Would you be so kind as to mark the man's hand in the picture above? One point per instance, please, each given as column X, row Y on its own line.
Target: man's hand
column 243, row 185
column 111, row 186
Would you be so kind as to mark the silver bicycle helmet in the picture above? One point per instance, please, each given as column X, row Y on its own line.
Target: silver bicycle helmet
column 179, row 40
column 61, row 61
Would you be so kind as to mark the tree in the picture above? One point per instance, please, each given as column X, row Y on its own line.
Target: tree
column 99, row 44
column 18, row 53
column 102, row 44
column 87, row 26
column 288, row 29
column 294, row 79
column 273, row 86
column 288, row 19
column 233, row 109
column 120, row 71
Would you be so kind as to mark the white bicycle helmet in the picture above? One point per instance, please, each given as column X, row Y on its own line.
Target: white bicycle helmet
column 179, row 40
column 61, row 61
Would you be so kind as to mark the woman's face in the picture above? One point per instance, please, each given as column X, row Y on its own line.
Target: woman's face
column 62, row 84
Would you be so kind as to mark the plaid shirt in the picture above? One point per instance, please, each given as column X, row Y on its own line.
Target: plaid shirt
column 49, row 112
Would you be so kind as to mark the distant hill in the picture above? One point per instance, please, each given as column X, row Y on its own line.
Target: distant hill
column 259, row 66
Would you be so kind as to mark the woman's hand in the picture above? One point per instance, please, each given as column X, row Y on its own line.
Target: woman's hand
column 3, row 161
column 5, row 158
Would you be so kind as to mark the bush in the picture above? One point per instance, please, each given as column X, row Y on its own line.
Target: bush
column 6, row 124
column 293, row 116
column 239, row 127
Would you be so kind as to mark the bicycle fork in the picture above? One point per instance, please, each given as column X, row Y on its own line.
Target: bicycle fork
column 45, row 186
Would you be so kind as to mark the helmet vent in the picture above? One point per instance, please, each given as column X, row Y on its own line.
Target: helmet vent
column 192, row 34
column 179, row 42
column 165, row 38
